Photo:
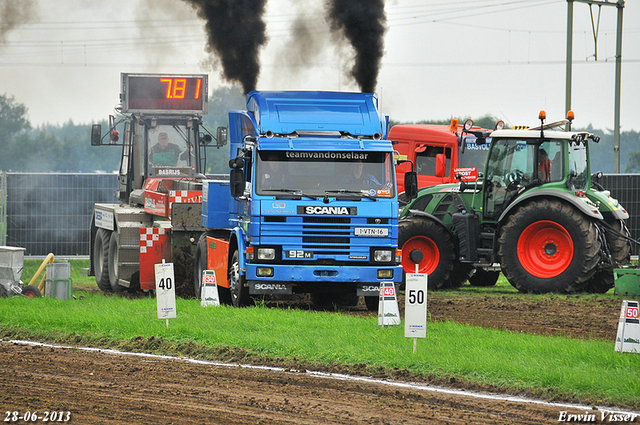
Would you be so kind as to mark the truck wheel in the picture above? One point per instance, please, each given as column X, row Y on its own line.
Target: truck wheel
column 620, row 249
column 113, row 264
column 426, row 237
column 239, row 293
column 101, row 259
column 484, row 278
column 372, row 303
column 201, row 261
column 31, row 291
column 548, row 246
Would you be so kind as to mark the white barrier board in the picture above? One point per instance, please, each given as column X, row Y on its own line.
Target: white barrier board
column 209, row 289
column 628, row 337
column 415, row 305
column 165, row 291
column 388, row 312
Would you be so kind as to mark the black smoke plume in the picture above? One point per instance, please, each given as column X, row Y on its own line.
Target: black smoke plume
column 363, row 23
column 14, row 13
column 235, row 31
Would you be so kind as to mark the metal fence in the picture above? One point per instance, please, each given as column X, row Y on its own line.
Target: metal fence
column 626, row 189
column 51, row 212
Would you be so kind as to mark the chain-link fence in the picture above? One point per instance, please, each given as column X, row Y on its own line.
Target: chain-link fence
column 51, row 212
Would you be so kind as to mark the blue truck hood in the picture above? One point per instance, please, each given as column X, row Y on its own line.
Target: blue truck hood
column 285, row 112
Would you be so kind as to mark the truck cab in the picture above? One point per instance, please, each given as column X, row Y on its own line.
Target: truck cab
column 313, row 180
column 440, row 153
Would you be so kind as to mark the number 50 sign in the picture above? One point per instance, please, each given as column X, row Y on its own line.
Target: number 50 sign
column 165, row 291
column 415, row 306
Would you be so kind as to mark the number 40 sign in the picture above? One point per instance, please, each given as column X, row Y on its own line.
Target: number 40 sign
column 165, row 291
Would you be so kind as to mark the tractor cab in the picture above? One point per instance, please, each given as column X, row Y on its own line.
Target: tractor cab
column 521, row 159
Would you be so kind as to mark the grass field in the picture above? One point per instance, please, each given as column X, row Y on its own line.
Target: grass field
column 588, row 371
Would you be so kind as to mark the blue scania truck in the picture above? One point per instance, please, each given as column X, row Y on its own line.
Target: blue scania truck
column 310, row 204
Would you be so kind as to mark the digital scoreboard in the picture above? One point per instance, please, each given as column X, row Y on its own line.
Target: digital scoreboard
column 164, row 93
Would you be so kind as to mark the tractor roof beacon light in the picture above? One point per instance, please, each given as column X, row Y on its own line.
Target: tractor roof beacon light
column 542, row 115
column 453, row 127
column 570, row 117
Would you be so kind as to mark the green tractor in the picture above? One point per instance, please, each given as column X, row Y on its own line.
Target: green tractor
column 534, row 210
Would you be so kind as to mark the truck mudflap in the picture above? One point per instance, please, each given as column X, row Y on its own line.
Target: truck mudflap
column 279, row 288
column 368, row 289
column 155, row 246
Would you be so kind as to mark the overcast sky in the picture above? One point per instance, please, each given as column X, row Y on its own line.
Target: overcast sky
column 443, row 59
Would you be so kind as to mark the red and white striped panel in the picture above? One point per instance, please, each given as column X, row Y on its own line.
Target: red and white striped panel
column 149, row 235
column 185, row 196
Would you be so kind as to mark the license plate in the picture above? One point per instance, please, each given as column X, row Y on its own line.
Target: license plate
column 371, row 231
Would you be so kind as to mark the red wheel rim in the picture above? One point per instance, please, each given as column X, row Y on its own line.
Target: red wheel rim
column 545, row 249
column 29, row 294
column 430, row 255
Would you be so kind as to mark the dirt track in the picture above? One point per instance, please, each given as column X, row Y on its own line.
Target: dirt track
column 104, row 388
column 98, row 388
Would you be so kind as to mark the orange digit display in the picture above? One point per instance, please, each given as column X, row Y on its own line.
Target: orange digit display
column 164, row 93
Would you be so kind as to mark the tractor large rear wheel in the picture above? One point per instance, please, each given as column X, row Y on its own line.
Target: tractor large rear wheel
column 428, row 244
column 548, row 246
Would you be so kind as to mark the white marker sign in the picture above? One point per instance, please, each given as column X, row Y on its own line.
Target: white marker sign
column 209, row 290
column 628, row 338
column 415, row 306
column 165, row 291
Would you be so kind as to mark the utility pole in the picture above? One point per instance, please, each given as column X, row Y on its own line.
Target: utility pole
column 619, row 4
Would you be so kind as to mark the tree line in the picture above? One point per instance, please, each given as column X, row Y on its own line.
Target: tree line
column 67, row 147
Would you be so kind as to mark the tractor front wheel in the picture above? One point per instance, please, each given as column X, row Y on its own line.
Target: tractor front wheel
column 428, row 245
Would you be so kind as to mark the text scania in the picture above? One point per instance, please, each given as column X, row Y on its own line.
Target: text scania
column 327, row 210
column 351, row 156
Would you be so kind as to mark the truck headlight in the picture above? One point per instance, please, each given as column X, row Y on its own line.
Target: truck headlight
column 382, row 256
column 266, row 254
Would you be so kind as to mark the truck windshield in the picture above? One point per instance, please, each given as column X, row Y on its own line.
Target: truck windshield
column 474, row 155
column 317, row 172
column 169, row 146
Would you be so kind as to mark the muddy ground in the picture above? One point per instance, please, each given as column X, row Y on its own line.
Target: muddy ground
column 103, row 388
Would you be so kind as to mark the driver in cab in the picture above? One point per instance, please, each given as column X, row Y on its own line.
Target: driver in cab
column 164, row 153
column 357, row 178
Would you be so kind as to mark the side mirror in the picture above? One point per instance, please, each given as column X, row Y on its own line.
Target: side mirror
column 221, row 136
column 236, row 182
column 462, row 144
column 96, row 134
column 441, row 164
column 411, row 184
